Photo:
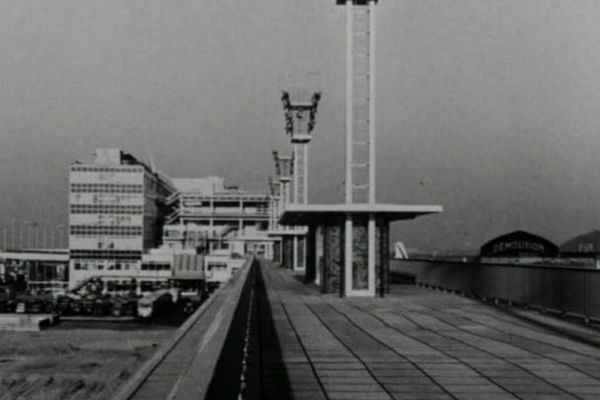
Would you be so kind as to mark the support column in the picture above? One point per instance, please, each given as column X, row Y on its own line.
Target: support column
column 305, row 177
column 349, row 96
column 348, row 247
column 372, row 121
column 371, row 249
column 295, row 174
column 295, row 253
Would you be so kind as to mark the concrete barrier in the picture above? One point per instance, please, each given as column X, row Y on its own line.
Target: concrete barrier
column 210, row 325
column 573, row 291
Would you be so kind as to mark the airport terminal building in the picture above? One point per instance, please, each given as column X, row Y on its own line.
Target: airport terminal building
column 116, row 208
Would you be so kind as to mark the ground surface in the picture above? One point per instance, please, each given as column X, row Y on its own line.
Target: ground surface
column 417, row 344
column 74, row 360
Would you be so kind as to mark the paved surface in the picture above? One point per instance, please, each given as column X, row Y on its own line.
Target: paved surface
column 417, row 344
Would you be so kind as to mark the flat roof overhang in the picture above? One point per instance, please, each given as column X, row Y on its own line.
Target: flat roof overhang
column 311, row 214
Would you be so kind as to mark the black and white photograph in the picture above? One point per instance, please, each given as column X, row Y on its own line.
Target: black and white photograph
column 299, row 199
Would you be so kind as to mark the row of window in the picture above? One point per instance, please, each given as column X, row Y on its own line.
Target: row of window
column 93, row 266
column 105, row 198
column 87, row 168
column 216, row 266
column 107, row 254
column 90, row 230
column 119, row 266
column 106, row 188
column 105, row 209
column 156, row 267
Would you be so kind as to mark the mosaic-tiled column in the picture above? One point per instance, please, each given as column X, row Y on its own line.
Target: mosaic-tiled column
column 277, row 251
column 360, row 254
column 301, row 252
column 382, row 257
column 311, row 262
column 333, row 256
column 288, row 252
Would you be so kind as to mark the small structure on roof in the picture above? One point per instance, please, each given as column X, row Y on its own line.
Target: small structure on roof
column 348, row 244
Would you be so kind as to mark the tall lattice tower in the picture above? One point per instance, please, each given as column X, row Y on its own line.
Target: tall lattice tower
column 360, row 139
column 360, row 100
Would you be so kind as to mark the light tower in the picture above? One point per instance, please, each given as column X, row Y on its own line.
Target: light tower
column 360, row 100
column 283, row 167
column 274, row 214
column 300, row 113
column 348, row 250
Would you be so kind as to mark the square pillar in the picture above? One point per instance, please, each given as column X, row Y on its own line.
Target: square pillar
column 277, row 251
column 369, row 246
column 382, row 257
column 333, row 256
column 310, row 257
column 288, row 252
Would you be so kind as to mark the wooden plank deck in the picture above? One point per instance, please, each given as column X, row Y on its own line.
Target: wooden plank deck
column 415, row 344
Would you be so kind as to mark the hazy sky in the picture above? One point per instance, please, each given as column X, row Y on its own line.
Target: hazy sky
column 488, row 107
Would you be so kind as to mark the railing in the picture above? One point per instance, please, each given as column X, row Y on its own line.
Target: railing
column 224, row 211
column 574, row 291
column 205, row 355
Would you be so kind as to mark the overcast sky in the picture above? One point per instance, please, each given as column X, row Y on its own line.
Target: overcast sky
column 488, row 107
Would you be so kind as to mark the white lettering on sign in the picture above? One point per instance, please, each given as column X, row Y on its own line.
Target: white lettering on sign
column 517, row 245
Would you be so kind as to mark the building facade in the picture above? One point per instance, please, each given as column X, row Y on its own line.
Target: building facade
column 117, row 206
column 211, row 216
column 43, row 271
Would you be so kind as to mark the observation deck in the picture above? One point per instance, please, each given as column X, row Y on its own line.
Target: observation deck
column 266, row 334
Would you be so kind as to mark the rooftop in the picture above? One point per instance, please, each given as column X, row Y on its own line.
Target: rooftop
column 413, row 344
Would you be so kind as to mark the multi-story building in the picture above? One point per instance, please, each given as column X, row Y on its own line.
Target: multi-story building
column 209, row 214
column 117, row 206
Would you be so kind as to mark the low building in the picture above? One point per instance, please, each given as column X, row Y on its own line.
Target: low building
column 44, row 271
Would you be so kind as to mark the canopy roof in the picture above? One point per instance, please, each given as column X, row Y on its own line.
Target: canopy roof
column 307, row 214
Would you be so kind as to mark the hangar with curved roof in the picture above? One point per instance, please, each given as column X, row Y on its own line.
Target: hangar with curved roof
column 586, row 245
column 518, row 246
